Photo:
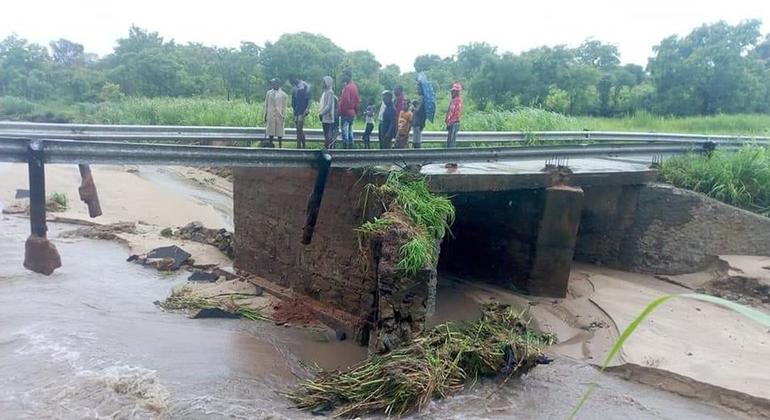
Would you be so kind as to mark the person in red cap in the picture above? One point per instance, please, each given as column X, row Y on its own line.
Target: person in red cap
column 453, row 115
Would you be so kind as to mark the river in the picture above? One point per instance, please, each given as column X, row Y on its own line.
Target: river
column 88, row 343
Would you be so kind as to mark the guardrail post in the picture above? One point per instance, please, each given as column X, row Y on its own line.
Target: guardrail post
column 40, row 255
column 314, row 203
column 87, row 191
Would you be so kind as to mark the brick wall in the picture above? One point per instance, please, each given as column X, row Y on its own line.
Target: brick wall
column 270, row 208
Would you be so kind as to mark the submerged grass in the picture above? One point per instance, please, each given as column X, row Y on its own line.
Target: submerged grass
column 406, row 196
column 741, row 179
column 434, row 365
column 184, row 299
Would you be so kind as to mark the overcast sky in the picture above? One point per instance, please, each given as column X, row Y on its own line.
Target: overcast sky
column 396, row 31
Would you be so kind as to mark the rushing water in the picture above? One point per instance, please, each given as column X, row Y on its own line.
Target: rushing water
column 88, row 342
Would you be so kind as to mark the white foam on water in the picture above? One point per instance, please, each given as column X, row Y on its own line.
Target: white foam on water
column 140, row 384
column 38, row 343
column 137, row 382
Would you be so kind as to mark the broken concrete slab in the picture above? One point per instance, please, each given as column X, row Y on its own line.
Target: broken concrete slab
column 203, row 276
column 173, row 252
column 213, row 313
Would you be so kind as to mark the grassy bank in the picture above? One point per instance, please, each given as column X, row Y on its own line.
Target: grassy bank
column 741, row 179
column 219, row 112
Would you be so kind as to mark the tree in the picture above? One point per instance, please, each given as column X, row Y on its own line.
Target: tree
column 24, row 68
column 309, row 56
column 709, row 71
column 67, row 53
column 595, row 53
column 470, row 57
column 426, row 62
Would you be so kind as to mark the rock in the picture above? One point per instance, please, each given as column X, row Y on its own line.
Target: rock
column 258, row 291
column 178, row 255
column 167, row 233
column 203, row 276
column 15, row 208
column 40, row 255
column 213, row 313
column 20, row 193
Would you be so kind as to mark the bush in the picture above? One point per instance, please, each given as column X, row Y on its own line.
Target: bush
column 741, row 179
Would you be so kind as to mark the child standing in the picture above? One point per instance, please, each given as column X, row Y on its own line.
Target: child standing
column 369, row 115
column 418, row 122
column 404, row 126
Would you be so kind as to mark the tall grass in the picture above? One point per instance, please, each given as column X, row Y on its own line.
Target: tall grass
column 220, row 112
column 741, row 179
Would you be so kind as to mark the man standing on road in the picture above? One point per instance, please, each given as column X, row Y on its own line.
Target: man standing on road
column 387, row 129
column 300, row 103
column 453, row 115
column 276, row 102
column 349, row 103
column 327, row 112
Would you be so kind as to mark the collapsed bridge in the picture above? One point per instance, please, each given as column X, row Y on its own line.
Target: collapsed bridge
column 523, row 213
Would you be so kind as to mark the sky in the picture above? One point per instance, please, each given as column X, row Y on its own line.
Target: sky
column 396, row 31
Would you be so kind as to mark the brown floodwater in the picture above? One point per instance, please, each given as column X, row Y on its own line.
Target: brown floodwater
column 88, row 342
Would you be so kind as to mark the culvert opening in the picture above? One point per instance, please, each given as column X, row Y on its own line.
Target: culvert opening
column 493, row 238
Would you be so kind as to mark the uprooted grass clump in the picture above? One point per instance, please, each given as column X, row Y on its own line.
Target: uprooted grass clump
column 432, row 366
column 409, row 203
column 185, row 299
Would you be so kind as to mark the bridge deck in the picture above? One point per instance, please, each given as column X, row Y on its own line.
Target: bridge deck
column 525, row 174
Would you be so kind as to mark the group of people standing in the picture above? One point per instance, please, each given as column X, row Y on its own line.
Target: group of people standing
column 397, row 116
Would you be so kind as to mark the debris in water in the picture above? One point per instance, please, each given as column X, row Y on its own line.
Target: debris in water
column 434, row 365
column 166, row 258
column 203, row 276
column 227, row 299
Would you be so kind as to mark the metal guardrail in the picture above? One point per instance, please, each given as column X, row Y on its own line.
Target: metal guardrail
column 81, row 152
column 207, row 134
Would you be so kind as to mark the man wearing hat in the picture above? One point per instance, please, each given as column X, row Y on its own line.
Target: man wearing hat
column 453, row 115
column 276, row 102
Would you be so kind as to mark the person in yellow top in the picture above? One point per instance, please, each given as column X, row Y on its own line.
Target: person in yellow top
column 276, row 102
column 404, row 125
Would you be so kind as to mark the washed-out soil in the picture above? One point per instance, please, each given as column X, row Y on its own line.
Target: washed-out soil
column 294, row 312
column 741, row 289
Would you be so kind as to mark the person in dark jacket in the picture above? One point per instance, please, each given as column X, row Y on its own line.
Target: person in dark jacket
column 300, row 103
column 387, row 129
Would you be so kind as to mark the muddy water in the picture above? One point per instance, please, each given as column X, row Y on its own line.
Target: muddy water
column 87, row 342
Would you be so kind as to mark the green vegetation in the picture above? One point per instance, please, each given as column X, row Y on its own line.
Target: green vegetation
column 220, row 112
column 60, row 199
column 750, row 313
column 184, row 298
column 741, row 179
column 717, row 68
column 434, row 365
column 425, row 216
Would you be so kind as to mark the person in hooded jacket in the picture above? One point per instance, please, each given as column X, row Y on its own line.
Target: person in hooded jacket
column 327, row 112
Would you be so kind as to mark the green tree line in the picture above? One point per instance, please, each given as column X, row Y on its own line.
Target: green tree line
column 717, row 68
